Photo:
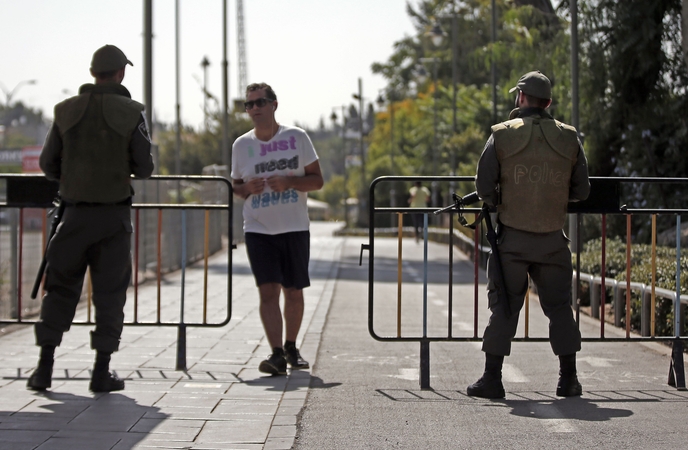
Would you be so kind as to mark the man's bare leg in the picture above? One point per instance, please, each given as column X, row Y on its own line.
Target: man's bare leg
column 293, row 312
column 270, row 313
column 293, row 315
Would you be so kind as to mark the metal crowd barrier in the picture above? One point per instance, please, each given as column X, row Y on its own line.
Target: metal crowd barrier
column 605, row 199
column 168, row 215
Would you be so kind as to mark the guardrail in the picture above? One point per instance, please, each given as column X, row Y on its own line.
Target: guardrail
column 168, row 213
column 605, row 199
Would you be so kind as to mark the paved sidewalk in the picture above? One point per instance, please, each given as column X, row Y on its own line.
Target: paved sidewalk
column 220, row 402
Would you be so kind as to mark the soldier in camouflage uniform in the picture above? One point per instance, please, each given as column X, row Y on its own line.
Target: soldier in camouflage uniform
column 98, row 140
column 531, row 168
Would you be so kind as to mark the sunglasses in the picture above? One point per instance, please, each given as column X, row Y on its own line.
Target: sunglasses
column 258, row 102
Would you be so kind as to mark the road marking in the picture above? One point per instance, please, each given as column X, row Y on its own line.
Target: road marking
column 513, row 375
column 407, row 374
column 371, row 359
column 553, row 418
column 203, row 385
column 597, row 362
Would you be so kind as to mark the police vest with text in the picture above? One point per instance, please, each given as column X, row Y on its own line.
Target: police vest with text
column 536, row 157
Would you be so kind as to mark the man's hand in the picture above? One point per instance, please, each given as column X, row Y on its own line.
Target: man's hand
column 254, row 186
column 278, row 183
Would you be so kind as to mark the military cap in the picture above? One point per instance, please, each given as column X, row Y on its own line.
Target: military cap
column 108, row 58
column 535, row 84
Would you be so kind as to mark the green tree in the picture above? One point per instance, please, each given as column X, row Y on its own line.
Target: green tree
column 198, row 148
column 530, row 36
column 634, row 85
column 633, row 100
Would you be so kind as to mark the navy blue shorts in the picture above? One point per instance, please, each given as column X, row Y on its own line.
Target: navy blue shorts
column 280, row 258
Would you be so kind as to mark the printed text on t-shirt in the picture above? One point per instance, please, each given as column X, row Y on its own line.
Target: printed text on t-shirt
column 267, row 199
column 278, row 145
column 280, row 164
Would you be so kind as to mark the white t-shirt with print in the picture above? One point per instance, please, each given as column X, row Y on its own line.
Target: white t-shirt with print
column 286, row 154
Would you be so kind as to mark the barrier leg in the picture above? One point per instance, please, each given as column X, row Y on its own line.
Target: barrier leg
column 424, row 364
column 181, row 347
column 677, row 374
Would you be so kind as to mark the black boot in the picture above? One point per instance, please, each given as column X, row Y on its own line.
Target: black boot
column 41, row 378
column 490, row 384
column 568, row 385
column 101, row 379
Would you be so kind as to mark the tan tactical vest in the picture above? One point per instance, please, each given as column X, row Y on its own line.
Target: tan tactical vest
column 536, row 157
column 95, row 131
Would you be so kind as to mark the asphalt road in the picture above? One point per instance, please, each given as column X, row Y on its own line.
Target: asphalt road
column 365, row 393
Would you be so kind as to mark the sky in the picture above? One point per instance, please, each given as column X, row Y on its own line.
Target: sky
column 311, row 52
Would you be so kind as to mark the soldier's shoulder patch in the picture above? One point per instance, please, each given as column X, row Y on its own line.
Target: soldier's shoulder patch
column 143, row 128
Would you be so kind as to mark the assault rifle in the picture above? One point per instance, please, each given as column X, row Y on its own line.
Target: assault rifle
column 498, row 279
column 57, row 212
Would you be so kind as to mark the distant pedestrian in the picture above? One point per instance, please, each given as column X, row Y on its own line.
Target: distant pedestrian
column 273, row 168
column 419, row 197
column 98, row 140
column 531, row 168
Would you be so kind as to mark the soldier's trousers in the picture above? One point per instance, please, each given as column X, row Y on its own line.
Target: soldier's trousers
column 97, row 237
column 546, row 258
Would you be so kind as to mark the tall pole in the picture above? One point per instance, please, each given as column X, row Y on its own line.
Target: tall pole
column 391, row 135
column 205, row 63
column 492, row 62
column 435, row 145
column 148, row 63
column 346, row 192
column 362, row 197
column 392, row 191
column 574, row 64
column 455, row 76
column 575, row 120
column 148, row 102
column 455, row 73
column 226, row 156
column 178, row 162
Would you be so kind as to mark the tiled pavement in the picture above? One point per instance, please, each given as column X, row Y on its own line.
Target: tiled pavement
column 220, row 402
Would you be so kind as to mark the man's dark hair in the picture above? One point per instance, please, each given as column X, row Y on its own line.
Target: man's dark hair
column 106, row 75
column 536, row 101
column 257, row 86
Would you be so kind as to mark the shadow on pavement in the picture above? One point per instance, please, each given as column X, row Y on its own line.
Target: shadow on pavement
column 112, row 419
column 574, row 408
column 297, row 380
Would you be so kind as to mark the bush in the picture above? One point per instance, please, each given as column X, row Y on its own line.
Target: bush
column 641, row 271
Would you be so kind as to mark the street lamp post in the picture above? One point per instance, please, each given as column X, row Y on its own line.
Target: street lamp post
column 435, row 149
column 362, row 210
column 345, row 193
column 204, row 64
column 436, row 35
column 9, row 95
column 455, row 73
column 381, row 101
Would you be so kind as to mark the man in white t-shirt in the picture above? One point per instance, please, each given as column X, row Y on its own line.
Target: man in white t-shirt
column 273, row 168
